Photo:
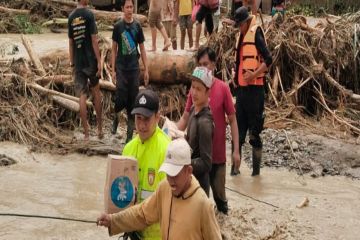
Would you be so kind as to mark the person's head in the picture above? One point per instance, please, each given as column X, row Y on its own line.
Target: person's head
column 201, row 83
column 127, row 6
column 242, row 19
column 146, row 111
column 206, row 57
column 177, row 166
column 83, row 2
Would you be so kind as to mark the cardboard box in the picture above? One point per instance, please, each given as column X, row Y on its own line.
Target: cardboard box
column 121, row 183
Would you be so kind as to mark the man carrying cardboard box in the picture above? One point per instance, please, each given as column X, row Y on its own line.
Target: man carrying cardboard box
column 179, row 204
column 149, row 148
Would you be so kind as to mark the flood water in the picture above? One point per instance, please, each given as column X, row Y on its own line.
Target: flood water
column 72, row 186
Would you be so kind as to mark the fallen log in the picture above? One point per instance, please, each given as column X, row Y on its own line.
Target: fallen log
column 14, row 11
column 53, row 92
column 66, row 103
column 33, row 56
column 56, row 21
column 114, row 16
column 107, row 85
column 65, row 3
column 58, row 79
column 171, row 67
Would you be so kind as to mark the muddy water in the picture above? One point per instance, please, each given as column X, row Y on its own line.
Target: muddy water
column 72, row 186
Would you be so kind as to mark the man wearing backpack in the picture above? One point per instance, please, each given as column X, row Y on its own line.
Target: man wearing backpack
column 127, row 36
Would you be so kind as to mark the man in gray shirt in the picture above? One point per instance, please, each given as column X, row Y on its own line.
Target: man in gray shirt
column 200, row 126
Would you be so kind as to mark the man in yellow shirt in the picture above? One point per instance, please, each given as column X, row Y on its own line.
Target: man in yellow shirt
column 149, row 148
column 178, row 204
column 183, row 10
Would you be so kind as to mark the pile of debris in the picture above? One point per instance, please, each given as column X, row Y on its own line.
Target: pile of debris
column 38, row 106
column 315, row 69
column 28, row 16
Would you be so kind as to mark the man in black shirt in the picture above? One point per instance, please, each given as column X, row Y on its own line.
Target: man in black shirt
column 127, row 35
column 85, row 58
column 252, row 61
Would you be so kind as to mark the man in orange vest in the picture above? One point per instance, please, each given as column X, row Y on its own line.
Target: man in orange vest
column 252, row 61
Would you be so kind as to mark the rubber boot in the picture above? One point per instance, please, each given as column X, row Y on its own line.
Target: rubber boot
column 222, row 206
column 234, row 171
column 130, row 129
column 256, row 156
column 115, row 123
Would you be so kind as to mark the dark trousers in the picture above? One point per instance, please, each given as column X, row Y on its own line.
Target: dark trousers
column 205, row 13
column 217, row 183
column 250, row 113
column 204, row 182
column 127, row 88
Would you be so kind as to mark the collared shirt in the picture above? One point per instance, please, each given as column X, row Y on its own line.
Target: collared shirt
column 189, row 217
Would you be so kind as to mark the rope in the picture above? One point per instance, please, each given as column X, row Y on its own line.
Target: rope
column 257, row 200
column 47, row 217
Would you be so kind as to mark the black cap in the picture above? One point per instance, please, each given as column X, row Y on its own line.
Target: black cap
column 146, row 103
column 241, row 15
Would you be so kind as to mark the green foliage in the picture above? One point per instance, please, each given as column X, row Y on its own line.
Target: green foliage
column 25, row 25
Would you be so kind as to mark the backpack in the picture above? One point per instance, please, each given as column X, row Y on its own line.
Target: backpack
column 211, row 4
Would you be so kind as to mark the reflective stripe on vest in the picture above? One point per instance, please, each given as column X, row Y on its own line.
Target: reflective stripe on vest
column 250, row 59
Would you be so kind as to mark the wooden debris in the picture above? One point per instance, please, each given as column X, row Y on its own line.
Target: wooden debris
column 12, row 11
column 33, row 56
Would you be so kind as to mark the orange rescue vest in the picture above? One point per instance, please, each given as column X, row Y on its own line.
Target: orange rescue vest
column 250, row 59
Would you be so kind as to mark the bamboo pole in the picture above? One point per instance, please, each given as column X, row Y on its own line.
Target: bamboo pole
column 33, row 56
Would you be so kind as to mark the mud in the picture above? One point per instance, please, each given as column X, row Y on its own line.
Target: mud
column 72, row 186
column 308, row 153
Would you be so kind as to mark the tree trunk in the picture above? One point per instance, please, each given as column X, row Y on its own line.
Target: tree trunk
column 171, row 67
column 66, row 103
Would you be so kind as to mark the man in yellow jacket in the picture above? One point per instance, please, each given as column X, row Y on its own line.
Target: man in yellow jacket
column 178, row 204
column 149, row 148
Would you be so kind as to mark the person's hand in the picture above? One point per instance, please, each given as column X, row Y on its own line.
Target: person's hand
column 249, row 76
column 236, row 161
column 175, row 22
column 104, row 220
column 98, row 73
column 113, row 77
column 146, row 77
column 228, row 21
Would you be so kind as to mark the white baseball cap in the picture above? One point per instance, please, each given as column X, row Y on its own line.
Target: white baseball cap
column 203, row 75
column 177, row 156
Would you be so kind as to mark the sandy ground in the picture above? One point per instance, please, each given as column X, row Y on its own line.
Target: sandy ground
column 72, row 186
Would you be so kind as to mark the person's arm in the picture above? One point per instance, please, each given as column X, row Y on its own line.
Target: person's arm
column 141, row 40
column 95, row 43
column 135, row 218
column 71, row 43
column 235, row 139
column 114, row 50
column 144, row 60
column 71, row 52
column 176, row 12
column 231, row 114
column 203, row 163
column 254, row 8
column 209, row 226
column 264, row 52
column 182, row 123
